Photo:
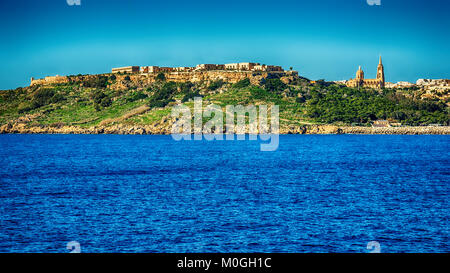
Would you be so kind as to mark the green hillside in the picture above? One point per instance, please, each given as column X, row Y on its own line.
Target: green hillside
column 301, row 102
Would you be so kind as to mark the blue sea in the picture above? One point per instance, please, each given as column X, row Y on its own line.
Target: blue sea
column 316, row 193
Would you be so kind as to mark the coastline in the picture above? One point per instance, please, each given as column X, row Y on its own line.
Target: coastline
column 166, row 130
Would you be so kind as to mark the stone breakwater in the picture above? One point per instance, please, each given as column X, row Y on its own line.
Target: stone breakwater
column 332, row 129
column 164, row 128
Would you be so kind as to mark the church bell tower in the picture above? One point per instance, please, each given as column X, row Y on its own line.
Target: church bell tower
column 380, row 73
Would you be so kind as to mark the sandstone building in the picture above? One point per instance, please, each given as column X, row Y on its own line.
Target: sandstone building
column 201, row 67
column 205, row 67
column 360, row 81
column 231, row 73
column 49, row 80
column 126, row 69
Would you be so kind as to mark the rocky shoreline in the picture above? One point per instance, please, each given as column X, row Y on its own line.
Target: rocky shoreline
column 157, row 129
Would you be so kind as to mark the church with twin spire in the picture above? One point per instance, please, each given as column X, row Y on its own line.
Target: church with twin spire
column 360, row 81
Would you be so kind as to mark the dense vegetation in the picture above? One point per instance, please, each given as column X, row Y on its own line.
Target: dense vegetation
column 342, row 104
column 301, row 102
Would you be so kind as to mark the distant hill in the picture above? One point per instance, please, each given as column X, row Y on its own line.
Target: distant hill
column 127, row 104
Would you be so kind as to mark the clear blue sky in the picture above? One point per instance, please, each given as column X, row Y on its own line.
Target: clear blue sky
column 322, row 39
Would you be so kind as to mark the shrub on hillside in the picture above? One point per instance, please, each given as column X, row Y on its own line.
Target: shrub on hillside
column 42, row 96
column 11, row 95
column 161, row 77
column 242, row 83
column 45, row 96
column 259, row 93
column 185, row 87
column 300, row 100
column 24, row 107
column 275, row 85
column 96, row 82
column 138, row 95
column 163, row 95
column 190, row 96
column 106, row 102
column 216, row 85
column 97, row 96
column 100, row 99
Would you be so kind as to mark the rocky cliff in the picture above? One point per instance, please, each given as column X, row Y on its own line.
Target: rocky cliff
column 164, row 127
column 125, row 81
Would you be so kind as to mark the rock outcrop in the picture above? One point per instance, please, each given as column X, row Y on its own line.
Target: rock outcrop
column 142, row 80
column 164, row 127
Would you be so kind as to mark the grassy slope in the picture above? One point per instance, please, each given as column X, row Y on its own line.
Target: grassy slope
column 75, row 109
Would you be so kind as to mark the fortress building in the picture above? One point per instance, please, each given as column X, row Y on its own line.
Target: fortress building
column 257, row 67
column 126, row 69
column 232, row 73
column 359, row 81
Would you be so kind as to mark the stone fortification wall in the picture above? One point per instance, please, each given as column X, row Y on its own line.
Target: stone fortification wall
column 123, row 81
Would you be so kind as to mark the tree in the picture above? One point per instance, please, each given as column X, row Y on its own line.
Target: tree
column 185, row 87
column 100, row 99
column 242, row 83
column 105, row 102
column 275, row 85
column 161, row 77
column 163, row 96
column 191, row 95
column 216, row 85
column 96, row 82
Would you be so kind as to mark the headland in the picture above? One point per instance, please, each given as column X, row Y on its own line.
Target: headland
column 138, row 100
